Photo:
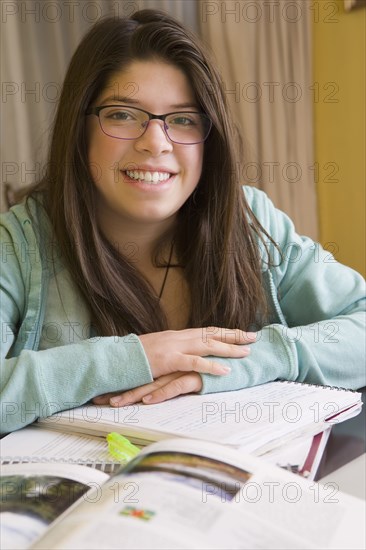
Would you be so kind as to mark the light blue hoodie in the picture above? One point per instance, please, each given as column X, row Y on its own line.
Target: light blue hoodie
column 49, row 362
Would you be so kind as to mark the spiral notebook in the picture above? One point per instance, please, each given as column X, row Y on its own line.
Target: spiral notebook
column 31, row 445
column 256, row 420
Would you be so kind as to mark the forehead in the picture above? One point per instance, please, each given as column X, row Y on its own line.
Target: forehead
column 149, row 82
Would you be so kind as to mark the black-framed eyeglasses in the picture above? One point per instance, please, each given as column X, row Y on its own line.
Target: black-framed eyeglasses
column 122, row 122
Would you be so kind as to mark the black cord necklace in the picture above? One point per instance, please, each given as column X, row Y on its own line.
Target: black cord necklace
column 166, row 271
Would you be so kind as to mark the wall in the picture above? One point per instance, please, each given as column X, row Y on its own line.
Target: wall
column 339, row 108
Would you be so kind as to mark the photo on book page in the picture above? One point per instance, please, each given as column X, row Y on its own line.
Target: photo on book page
column 190, row 494
column 195, row 471
column 32, row 496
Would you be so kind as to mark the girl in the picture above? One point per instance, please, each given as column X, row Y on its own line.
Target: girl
column 139, row 268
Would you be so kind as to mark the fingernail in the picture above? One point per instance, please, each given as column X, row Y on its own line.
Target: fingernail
column 147, row 398
column 115, row 401
column 251, row 335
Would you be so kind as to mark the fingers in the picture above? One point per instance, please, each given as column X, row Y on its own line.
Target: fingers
column 136, row 395
column 204, row 334
column 187, row 363
column 229, row 336
column 220, row 349
column 176, row 358
column 183, row 350
column 187, row 383
column 103, row 399
column 164, row 388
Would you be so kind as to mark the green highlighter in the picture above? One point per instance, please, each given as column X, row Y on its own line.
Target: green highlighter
column 121, row 448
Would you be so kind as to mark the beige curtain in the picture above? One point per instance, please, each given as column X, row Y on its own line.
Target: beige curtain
column 37, row 42
column 264, row 53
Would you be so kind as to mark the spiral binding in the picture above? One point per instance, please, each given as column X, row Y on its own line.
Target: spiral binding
column 321, row 386
column 106, row 467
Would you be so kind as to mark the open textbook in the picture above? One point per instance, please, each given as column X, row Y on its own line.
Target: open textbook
column 176, row 493
column 34, row 445
column 256, row 419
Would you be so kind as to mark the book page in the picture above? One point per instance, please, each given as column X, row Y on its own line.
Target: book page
column 258, row 418
column 53, row 446
column 191, row 495
column 301, row 455
column 32, row 496
column 33, row 445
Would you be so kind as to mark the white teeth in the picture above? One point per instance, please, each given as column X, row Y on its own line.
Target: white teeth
column 148, row 177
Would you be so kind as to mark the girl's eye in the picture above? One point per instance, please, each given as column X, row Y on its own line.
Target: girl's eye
column 119, row 115
column 182, row 121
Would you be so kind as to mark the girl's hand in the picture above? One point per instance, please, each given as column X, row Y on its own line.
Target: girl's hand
column 176, row 358
column 163, row 388
column 185, row 350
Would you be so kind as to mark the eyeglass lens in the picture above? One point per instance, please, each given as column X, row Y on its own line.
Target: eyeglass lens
column 129, row 123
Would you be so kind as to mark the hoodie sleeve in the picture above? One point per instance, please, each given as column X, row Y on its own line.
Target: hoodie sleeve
column 37, row 383
column 321, row 336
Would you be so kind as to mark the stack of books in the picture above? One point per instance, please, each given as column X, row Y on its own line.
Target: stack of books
column 207, row 476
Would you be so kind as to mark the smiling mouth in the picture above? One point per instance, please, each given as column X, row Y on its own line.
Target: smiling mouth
column 146, row 176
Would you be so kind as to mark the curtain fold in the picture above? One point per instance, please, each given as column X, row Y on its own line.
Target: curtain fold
column 265, row 62
column 37, row 42
column 265, row 57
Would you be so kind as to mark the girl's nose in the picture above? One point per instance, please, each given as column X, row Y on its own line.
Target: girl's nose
column 154, row 140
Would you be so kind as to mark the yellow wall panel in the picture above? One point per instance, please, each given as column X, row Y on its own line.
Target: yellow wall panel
column 339, row 65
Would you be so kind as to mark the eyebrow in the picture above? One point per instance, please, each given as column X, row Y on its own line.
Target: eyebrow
column 131, row 101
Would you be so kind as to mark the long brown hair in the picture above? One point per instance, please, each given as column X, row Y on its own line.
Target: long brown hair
column 216, row 237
